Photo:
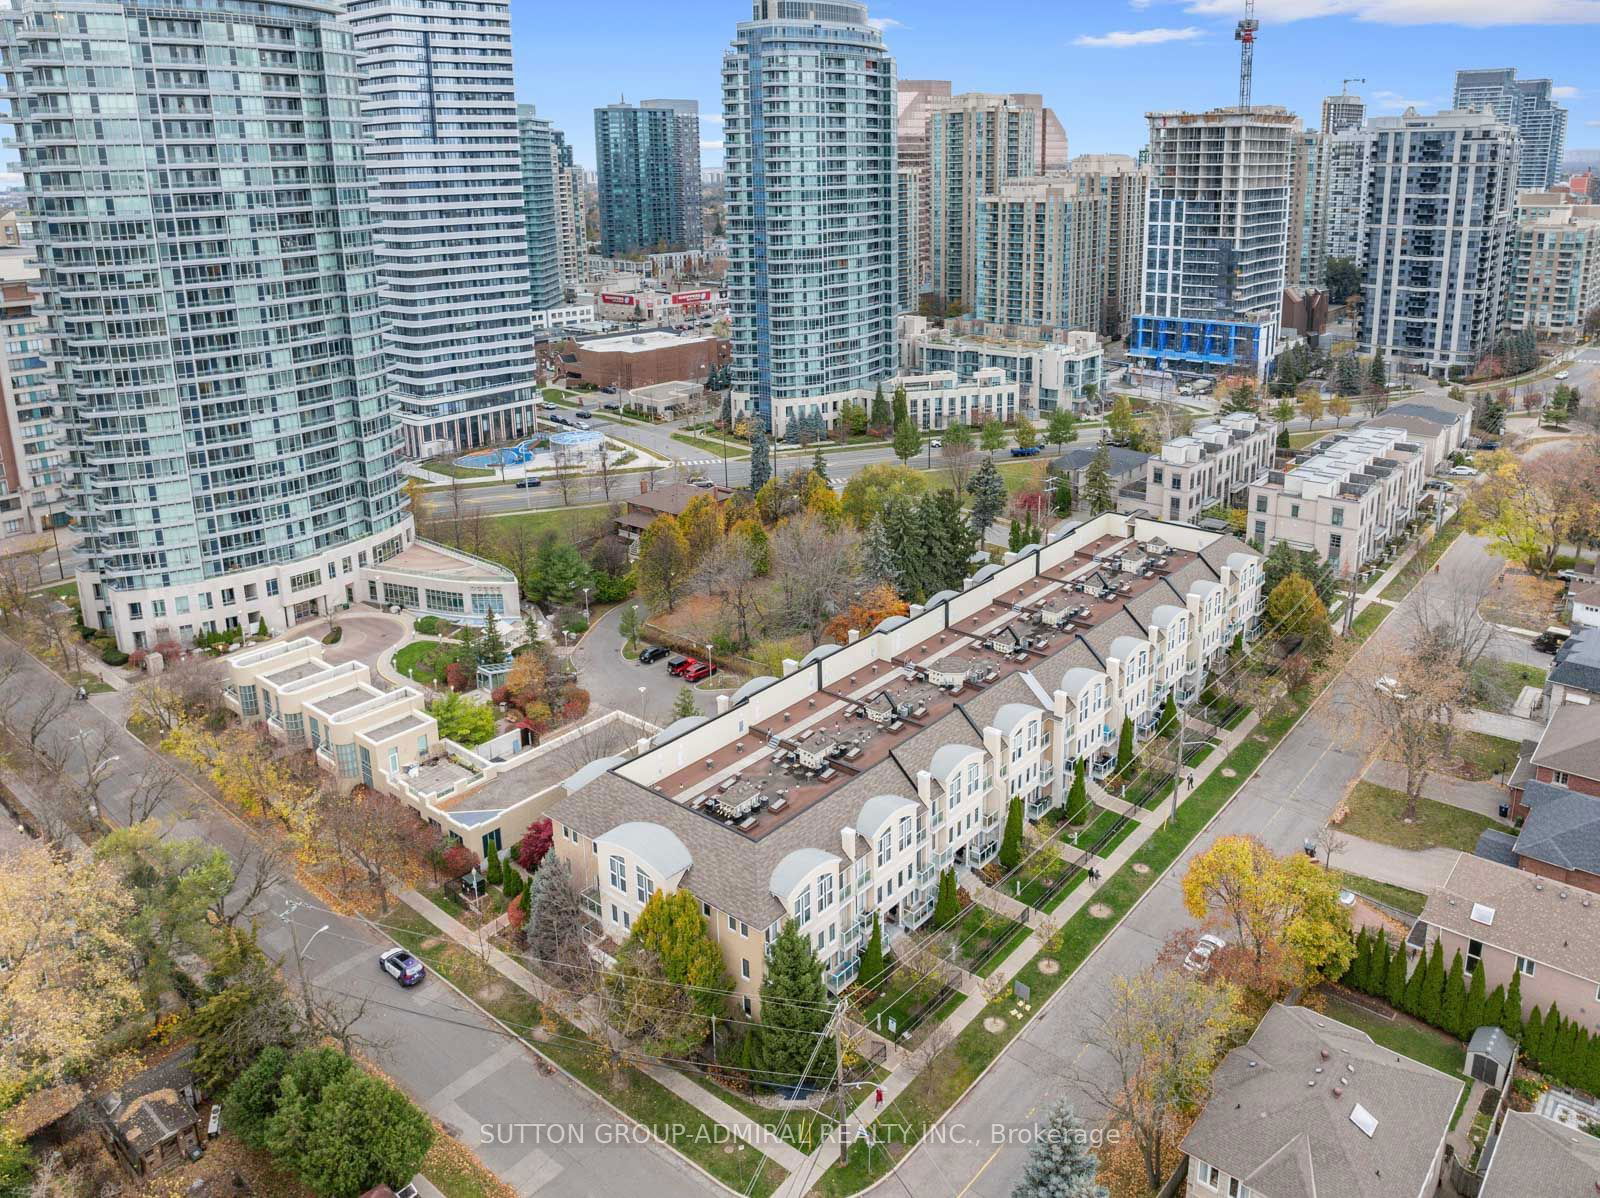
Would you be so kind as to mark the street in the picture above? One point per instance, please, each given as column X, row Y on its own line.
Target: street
column 450, row 1057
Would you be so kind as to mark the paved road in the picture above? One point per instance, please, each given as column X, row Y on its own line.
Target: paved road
column 1284, row 804
column 613, row 681
column 443, row 1050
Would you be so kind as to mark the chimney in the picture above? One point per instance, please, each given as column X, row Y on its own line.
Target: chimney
column 644, row 483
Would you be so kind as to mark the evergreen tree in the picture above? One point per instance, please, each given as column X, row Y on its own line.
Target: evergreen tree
column 1395, row 982
column 1411, row 999
column 492, row 648
column 902, row 410
column 253, row 1097
column 554, row 930
column 1168, row 723
column 873, row 962
column 1433, row 991
column 819, row 465
column 1378, row 969
column 672, row 927
column 1348, row 375
column 880, row 416
column 1011, row 841
column 684, row 705
column 948, row 905
column 1453, row 1011
column 1125, row 747
column 1493, row 1006
column 1015, row 541
column 1532, row 1034
column 1569, row 1052
column 1377, row 372
column 795, row 1045
column 1060, row 1164
column 1097, row 482
column 1355, row 972
column 513, row 882
column 1078, row 796
column 877, row 554
column 760, row 457
column 1511, row 1011
column 1061, row 496
column 1550, row 1035
column 1472, row 1019
column 906, row 440
column 492, row 872
column 988, row 491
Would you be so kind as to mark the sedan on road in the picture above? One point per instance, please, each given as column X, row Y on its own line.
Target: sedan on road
column 1463, row 472
column 402, row 966
column 1199, row 958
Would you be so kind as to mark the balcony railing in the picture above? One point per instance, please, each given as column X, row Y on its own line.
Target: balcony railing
column 589, row 900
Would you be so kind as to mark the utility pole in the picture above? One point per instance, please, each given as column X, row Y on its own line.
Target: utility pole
column 1350, row 600
column 1177, row 766
column 838, row 1080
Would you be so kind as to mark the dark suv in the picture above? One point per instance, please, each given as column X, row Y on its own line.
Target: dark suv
column 651, row 654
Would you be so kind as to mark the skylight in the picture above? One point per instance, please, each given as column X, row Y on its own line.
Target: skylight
column 1482, row 913
column 1365, row 1120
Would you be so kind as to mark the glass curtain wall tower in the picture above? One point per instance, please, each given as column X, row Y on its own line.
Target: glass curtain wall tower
column 648, row 173
column 206, row 269
column 809, row 105
column 446, row 175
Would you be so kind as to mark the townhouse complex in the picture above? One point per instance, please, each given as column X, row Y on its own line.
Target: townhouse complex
column 1204, row 469
column 835, row 795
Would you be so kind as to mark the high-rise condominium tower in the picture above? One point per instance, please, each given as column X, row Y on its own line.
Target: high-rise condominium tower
column 976, row 142
column 913, row 96
column 572, row 235
column 1040, row 246
column 441, row 125
column 1216, row 239
column 909, row 195
column 1342, row 112
column 1528, row 105
column 1440, row 225
column 541, row 205
column 648, row 161
column 1345, row 176
column 233, row 457
column 1307, row 262
column 1123, row 183
column 32, row 449
column 810, row 180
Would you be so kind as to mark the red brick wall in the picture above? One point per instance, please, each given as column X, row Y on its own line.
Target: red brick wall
column 670, row 364
column 1569, row 877
column 1586, row 786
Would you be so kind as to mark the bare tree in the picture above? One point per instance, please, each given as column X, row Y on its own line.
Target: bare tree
column 958, row 460
column 604, row 472
column 565, row 475
column 41, row 719
column 13, row 681
column 377, row 833
column 1328, row 842
column 1404, row 705
column 258, row 867
column 21, row 574
column 96, row 760
column 159, row 784
column 819, row 571
column 1446, row 622
column 728, row 571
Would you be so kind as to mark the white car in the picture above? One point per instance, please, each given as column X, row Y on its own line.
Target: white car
column 1199, row 958
column 1391, row 687
column 936, row 443
column 1463, row 472
column 1562, row 376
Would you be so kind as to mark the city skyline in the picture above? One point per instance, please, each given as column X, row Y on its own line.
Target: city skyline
column 1101, row 69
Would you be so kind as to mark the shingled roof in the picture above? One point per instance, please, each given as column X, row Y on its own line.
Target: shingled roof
column 1563, row 829
column 1287, row 1110
column 1571, row 741
column 1533, row 917
column 1566, row 1161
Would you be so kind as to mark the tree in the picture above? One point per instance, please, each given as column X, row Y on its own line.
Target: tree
column 992, row 436
column 1530, row 507
column 1060, row 1164
column 1159, row 1035
column 1511, row 1009
column 988, row 491
column 492, row 873
column 1405, row 705
column 252, row 1100
column 1078, row 796
column 1343, row 277
column 948, row 905
column 1097, row 483
column 555, row 929
column 1027, row 435
column 1167, row 722
column 700, row 522
column 1338, row 408
column 492, row 648
column 1243, row 397
column 684, row 705
column 70, row 975
column 462, row 720
column 1283, row 911
column 1347, row 375
column 1311, row 404
column 1472, row 1015
column 362, row 1133
column 760, row 457
column 906, row 440
column 730, row 571
column 880, row 416
column 629, row 621
column 1061, row 427
column 1295, row 611
column 300, row 1092
column 664, row 562
column 249, row 1013
column 1377, row 371
column 1453, row 1007
column 957, row 453
column 873, row 963
column 819, row 465
column 901, row 410
column 1394, row 981
column 176, row 884
column 876, row 604
column 872, row 486
column 819, row 571
column 1061, row 495
column 1011, row 840
column 1433, row 975
column 672, row 927
column 1125, row 747
column 796, row 1046
column 535, row 843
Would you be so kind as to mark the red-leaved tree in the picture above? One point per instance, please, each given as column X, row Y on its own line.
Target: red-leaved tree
column 535, row 843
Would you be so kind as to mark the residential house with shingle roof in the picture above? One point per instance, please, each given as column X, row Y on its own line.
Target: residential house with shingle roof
column 837, row 793
column 1505, row 920
column 1577, row 667
column 1564, row 1160
column 1310, row 1107
column 1566, row 757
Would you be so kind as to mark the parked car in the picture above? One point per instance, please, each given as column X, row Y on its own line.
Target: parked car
column 1199, row 958
column 701, row 481
column 1551, row 639
column 584, row 414
column 1488, row 445
column 698, row 671
column 402, row 966
column 1025, row 451
column 936, row 443
column 612, row 406
column 1463, row 472
column 529, row 481
column 1391, row 687
column 651, row 654
column 1562, row 376
column 678, row 664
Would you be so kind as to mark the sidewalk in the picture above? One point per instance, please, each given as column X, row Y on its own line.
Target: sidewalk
column 1482, row 797
column 1511, row 727
column 684, row 1087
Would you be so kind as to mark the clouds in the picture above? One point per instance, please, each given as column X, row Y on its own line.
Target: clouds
column 1565, row 92
column 882, row 23
column 712, row 118
column 710, row 145
column 1477, row 13
column 1397, row 102
column 1123, row 39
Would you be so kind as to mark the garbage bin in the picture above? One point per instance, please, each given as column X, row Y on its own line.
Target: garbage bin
column 1505, row 810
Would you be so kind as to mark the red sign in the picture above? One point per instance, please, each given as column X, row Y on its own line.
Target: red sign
column 626, row 300
column 692, row 297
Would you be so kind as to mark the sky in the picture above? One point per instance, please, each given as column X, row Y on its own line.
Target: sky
column 1101, row 66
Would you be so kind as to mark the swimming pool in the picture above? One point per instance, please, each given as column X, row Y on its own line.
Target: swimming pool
column 489, row 459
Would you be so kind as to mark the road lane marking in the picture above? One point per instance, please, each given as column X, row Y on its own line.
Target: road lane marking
column 966, row 1189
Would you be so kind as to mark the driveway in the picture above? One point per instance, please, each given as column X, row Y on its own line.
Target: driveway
column 614, row 682
column 363, row 636
column 1423, row 870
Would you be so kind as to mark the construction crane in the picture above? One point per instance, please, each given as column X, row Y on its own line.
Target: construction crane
column 1245, row 34
column 1344, row 88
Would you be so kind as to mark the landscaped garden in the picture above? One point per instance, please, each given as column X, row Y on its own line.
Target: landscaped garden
column 427, row 661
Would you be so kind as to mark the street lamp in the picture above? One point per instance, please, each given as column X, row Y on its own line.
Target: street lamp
column 586, row 604
column 709, row 660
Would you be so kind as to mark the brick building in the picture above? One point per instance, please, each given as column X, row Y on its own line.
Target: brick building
column 631, row 360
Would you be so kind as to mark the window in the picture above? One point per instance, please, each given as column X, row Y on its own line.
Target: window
column 1336, row 517
column 298, row 582
column 643, row 886
column 824, row 892
column 619, row 874
column 905, row 832
column 1236, row 1188
column 885, row 847
column 1525, row 967
column 1261, row 503
column 158, row 608
column 444, row 600
column 180, row 605
column 744, row 967
column 1559, row 777
column 272, row 587
column 732, row 924
column 1261, row 531
column 1209, row 1176
column 802, row 906
column 1474, row 955
column 1294, row 511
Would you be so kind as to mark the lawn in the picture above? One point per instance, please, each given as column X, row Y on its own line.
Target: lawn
column 1037, row 874
column 1414, row 570
column 448, row 468
column 1398, row 897
column 573, row 522
column 799, row 1127
column 1398, row 1032
column 715, row 448
column 977, row 934
column 1100, row 826
column 426, row 661
column 1477, row 756
column 1496, row 684
column 1309, row 436
column 909, row 1000
column 1375, row 813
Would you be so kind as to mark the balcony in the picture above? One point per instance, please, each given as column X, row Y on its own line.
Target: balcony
column 1038, row 805
column 841, row 977
column 589, row 900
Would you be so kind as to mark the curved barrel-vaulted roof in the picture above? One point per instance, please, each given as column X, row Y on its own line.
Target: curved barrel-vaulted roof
column 819, row 652
column 940, row 597
column 589, row 773
column 657, row 847
column 786, row 875
column 1165, row 614
column 1075, row 679
column 751, row 687
column 948, row 757
column 1125, row 647
column 676, row 729
column 877, row 811
column 1012, row 714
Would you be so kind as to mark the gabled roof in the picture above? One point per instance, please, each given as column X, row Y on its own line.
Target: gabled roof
column 1578, row 661
column 1552, row 924
column 1566, row 1161
column 1563, row 830
column 1283, row 1117
column 1571, row 740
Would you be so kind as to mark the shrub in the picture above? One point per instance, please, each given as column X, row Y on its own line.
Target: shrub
column 333, row 636
column 535, row 843
column 457, row 677
column 500, row 694
column 576, row 705
column 113, row 656
column 170, row 650
column 428, row 625
column 136, row 658
column 612, row 588
column 577, row 625
column 457, row 861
